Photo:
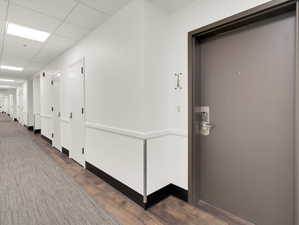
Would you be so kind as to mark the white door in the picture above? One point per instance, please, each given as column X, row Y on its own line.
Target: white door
column 56, row 114
column 76, row 78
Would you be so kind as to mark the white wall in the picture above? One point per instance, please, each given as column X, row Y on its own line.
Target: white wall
column 1, row 103
column 195, row 15
column 12, row 103
column 18, row 104
column 36, row 103
column 65, row 109
column 46, row 105
column 114, row 92
column 7, row 101
column 30, row 117
column 130, row 64
column 25, row 103
column 166, row 54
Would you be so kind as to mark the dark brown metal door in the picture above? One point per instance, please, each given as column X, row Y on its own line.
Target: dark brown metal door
column 244, row 121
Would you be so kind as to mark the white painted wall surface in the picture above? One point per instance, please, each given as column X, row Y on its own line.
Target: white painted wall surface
column 6, row 104
column 30, row 116
column 24, row 103
column 36, row 103
column 130, row 64
column 12, row 103
column 20, row 105
column 7, row 101
column 114, row 89
column 65, row 109
column 117, row 155
column 1, row 103
column 46, row 104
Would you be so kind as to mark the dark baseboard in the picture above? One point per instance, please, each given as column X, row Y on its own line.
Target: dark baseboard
column 56, row 149
column 47, row 139
column 30, row 128
column 165, row 192
column 179, row 192
column 158, row 196
column 37, row 131
column 129, row 192
column 152, row 199
column 65, row 151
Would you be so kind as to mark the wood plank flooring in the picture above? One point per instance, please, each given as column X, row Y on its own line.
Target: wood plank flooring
column 171, row 211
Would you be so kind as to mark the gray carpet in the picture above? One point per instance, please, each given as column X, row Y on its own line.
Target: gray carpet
column 34, row 190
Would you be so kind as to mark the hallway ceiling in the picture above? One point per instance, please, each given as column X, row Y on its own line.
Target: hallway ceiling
column 68, row 21
column 172, row 5
column 6, row 84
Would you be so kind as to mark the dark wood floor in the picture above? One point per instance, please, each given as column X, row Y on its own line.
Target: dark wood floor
column 171, row 211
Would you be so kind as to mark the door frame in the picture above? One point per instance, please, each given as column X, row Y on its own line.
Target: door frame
column 264, row 11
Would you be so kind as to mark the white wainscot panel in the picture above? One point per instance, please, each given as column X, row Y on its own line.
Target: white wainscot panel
column 66, row 134
column 37, row 121
column 46, row 126
column 119, row 156
column 167, row 162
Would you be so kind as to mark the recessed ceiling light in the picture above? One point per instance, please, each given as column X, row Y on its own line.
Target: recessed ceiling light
column 12, row 68
column 26, row 32
column 7, row 80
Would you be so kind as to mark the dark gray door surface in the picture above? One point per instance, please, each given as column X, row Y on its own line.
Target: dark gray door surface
column 245, row 165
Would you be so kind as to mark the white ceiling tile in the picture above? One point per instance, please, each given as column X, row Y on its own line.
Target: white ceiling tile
column 32, row 19
column 9, row 59
column 106, row 6
column 45, row 56
column 53, row 48
column 86, row 17
column 172, row 5
column 71, row 31
column 59, row 43
column 31, row 70
column 11, row 74
column 3, row 6
column 55, row 8
column 20, row 48
column 18, row 42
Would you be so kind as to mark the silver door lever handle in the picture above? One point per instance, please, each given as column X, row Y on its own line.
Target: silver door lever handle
column 206, row 125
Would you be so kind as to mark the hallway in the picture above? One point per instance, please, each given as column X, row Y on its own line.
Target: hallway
column 56, row 190
column 149, row 112
column 34, row 190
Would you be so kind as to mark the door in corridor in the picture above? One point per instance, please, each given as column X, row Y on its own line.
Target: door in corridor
column 56, row 114
column 77, row 87
column 244, row 121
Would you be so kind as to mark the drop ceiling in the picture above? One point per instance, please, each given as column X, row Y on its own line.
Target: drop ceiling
column 172, row 5
column 68, row 21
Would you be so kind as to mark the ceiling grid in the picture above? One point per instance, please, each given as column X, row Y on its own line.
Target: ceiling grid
column 67, row 21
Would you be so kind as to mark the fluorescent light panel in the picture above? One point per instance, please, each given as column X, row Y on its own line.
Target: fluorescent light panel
column 14, row 68
column 26, row 32
column 6, row 80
